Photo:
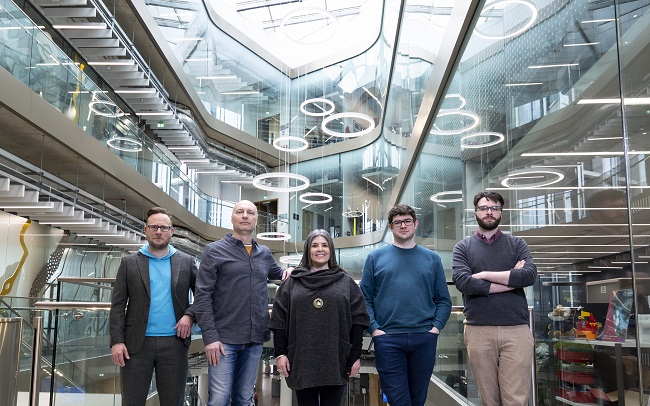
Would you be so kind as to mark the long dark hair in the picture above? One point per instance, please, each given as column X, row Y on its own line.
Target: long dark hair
column 305, row 261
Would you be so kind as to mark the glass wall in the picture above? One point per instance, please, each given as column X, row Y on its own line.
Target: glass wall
column 548, row 106
column 361, row 181
column 35, row 57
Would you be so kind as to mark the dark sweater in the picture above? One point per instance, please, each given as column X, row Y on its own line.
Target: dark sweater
column 473, row 255
column 318, row 339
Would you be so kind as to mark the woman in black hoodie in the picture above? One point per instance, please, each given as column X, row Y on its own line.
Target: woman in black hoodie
column 318, row 319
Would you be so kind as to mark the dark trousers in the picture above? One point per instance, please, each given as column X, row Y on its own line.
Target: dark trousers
column 168, row 357
column 405, row 362
column 321, row 395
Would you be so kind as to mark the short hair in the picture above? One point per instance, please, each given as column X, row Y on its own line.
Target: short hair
column 399, row 210
column 494, row 196
column 159, row 210
column 305, row 261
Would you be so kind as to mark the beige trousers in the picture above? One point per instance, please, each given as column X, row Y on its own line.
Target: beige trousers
column 501, row 358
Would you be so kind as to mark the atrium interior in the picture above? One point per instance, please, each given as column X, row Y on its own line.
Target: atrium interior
column 325, row 114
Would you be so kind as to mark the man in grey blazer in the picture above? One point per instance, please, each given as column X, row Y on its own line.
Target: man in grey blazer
column 151, row 317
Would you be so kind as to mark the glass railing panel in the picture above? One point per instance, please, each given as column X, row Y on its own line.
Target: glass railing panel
column 23, row 307
column 26, row 356
column 88, row 289
column 192, row 397
column 32, row 56
column 84, row 373
column 544, row 126
column 452, row 363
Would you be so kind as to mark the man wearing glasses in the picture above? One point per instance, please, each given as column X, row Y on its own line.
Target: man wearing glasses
column 406, row 295
column 491, row 270
column 151, row 317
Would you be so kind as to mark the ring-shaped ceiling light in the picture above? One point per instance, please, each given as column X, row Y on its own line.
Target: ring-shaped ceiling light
column 527, row 25
column 288, row 140
column 257, row 182
column 526, row 174
column 352, row 213
column 303, row 12
column 108, row 105
column 274, row 236
column 291, row 259
column 325, row 198
column 439, row 197
column 339, row 116
column 330, row 107
column 460, row 130
column 125, row 144
column 463, row 102
column 499, row 138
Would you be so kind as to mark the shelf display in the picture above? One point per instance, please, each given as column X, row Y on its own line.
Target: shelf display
column 575, row 371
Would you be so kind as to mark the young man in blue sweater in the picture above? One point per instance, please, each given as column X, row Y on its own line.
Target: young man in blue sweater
column 491, row 270
column 408, row 302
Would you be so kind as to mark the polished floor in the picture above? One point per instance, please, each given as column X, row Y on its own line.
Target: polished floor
column 266, row 382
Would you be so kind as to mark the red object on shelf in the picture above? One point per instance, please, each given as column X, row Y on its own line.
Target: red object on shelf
column 574, row 356
column 578, row 397
column 581, row 378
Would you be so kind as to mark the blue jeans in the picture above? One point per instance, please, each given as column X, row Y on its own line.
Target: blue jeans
column 234, row 376
column 405, row 362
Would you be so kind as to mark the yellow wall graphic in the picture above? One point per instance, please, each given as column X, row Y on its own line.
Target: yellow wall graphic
column 9, row 283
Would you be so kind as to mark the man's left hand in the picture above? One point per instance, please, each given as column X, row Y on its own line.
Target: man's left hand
column 287, row 273
column 434, row 330
column 184, row 326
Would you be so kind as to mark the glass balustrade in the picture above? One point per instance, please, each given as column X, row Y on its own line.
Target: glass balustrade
column 77, row 369
column 31, row 55
column 452, row 364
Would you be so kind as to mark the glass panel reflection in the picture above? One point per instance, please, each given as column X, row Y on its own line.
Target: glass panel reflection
column 536, row 111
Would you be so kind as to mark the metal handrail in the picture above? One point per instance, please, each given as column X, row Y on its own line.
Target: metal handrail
column 35, row 384
column 73, row 305
column 98, row 283
column 74, row 280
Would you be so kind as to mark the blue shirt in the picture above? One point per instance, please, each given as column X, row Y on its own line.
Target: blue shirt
column 162, row 319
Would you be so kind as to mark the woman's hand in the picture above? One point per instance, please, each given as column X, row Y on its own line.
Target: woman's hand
column 282, row 363
column 355, row 369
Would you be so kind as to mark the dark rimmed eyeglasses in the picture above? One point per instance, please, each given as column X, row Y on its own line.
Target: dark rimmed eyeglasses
column 155, row 228
column 484, row 209
column 407, row 222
